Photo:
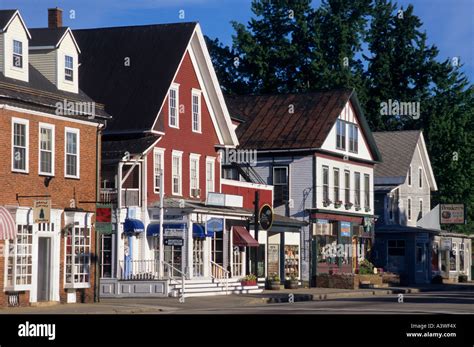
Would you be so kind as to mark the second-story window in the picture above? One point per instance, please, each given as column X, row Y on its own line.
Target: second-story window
column 194, row 175
column 420, row 177
column 46, row 149
column 366, row 191
column 325, row 183
column 72, row 153
column 340, row 134
column 281, row 185
column 173, row 105
column 20, row 145
column 17, row 54
column 176, row 172
column 68, row 68
column 158, row 160
column 409, row 176
column 210, row 175
column 336, row 185
column 196, row 110
column 409, row 209
column 353, row 138
column 357, row 189
column 347, row 189
column 420, row 214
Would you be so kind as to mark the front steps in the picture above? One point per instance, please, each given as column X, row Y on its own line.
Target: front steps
column 211, row 287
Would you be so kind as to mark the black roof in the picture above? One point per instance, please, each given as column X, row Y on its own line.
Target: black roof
column 40, row 94
column 114, row 148
column 46, row 36
column 133, row 94
column 5, row 16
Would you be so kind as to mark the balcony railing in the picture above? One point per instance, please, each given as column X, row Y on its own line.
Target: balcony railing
column 130, row 196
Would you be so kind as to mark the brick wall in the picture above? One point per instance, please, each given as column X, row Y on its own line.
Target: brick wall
column 61, row 189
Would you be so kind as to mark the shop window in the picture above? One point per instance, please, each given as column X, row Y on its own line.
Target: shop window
column 106, row 256
column 20, row 258
column 452, row 257
column 291, row 261
column 396, row 247
column 218, row 248
column 78, row 243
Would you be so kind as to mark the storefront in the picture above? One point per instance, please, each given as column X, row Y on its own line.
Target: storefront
column 451, row 256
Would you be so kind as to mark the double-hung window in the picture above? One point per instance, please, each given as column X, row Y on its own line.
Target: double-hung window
column 210, row 175
column 366, row 191
column 158, row 168
column 72, row 146
column 325, row 183
column 20, row 145
column 347, row 189
column 46, row 149
column 173, row 106
column 409, row 176
column 18, row 54
column 336, row 185
column 177, row 172
column 68, row 68
column 357, row 189
column 353, row 138
column 196, row 110
column 340, row 134
column 281, row 185
column 420, row 177
column 194, row 175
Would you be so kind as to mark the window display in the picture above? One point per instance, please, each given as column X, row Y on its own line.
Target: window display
column 291, row 261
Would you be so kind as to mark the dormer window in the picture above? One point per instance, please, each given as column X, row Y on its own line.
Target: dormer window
column 68, row 68
column 17, row 54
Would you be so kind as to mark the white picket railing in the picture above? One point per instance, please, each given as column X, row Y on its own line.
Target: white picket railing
column 218, row 272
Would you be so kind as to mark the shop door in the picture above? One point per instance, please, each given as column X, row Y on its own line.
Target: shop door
column 173, row 256
column 44, row 267
column 421, row 263
column 198, row 257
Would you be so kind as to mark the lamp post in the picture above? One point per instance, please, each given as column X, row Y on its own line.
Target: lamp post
column 161, row 254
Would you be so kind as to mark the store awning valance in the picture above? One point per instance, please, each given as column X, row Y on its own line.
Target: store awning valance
column 154, row 228
column 133, row 226
column 242, row 238
column 7, row 225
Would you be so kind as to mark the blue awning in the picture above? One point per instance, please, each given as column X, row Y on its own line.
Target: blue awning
column 199, row 231
column 214, row 225
column 154, row 229
column 133, row 226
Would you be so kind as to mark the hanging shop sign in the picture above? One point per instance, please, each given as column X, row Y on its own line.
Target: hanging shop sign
column 446, row 244
column 103, row 219
column 346, row 229
column 42, row 211
column 451, row 214
column 265, row 217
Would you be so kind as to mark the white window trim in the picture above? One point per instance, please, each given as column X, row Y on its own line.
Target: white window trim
column 353, row 127
column 13, row 67
column 198, row 93
column 194, row 156
column 343, row 143
column 25, row 122
column 410, row 177
column 73, row 70
column 213, row 161
column 177, row 154
column 53, row 148
column 75, row 131
column 161, row 151
column 174, row 87
column 409, row 208
column 420, row 177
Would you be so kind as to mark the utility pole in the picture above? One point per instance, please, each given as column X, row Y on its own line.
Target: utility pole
column 256, row 226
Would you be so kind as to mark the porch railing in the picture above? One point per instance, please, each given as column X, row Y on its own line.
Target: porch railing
column 108, row 195
column 138, row 270
column 219, row 273
column 170, row 269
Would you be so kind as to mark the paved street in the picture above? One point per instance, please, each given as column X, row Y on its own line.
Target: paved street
column 336, row 302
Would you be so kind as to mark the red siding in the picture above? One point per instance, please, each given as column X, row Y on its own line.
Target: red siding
column 184, row 139
column 266, row 196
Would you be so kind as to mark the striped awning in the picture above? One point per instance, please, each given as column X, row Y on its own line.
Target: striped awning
column 7, row 225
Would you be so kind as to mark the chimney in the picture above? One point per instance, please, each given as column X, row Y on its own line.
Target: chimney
column 55, row 18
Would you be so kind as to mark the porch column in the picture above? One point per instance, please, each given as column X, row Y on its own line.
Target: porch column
column 282, row 256
column 188, row 250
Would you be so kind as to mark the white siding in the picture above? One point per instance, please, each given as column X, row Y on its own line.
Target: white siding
column 67, row 47
column 329, row 144
column 2, row 49
column 17, row 32
column 45, row 62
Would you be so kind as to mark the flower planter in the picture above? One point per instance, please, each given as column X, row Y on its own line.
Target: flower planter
column 291, row 284
column 273, row 285
column 248, row 283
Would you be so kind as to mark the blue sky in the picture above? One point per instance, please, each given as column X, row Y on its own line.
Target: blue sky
column 448, row 23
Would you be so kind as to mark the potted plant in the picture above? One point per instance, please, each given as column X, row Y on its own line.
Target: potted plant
column 338, row 204
column 348, row 205
column 367, row 209
column 357, row 208
column 249, row 280
column 273, row 282
column 291, row 282
column 326, row 203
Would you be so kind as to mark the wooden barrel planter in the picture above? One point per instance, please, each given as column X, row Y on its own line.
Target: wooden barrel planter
column 273, row 285
column 291, row 284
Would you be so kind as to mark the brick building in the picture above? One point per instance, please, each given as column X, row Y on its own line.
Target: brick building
column 49, row 145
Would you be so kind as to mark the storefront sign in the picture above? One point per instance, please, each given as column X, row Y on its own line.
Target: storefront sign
column 173, row 241
column 346, row 229
column 42, row 211
column 445, row 244
column 451, row 214
column 173, row 232
column 103, row 219
column 215, row 199
column 265, row 217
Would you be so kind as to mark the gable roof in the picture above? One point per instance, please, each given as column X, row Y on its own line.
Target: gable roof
column 6, row 17
column 398, row 148
column 113, row 149
column 50, row 37
column 39, row 94
column 132, row 94
column 270, row 125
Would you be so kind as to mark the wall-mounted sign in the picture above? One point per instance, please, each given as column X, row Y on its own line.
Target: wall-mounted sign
column 445, row 244
column 451, row 214
column 103, row 218
column 42, row 211
column 346, row 229
column 173, row 241
column 215, row 199
column 265, row 217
